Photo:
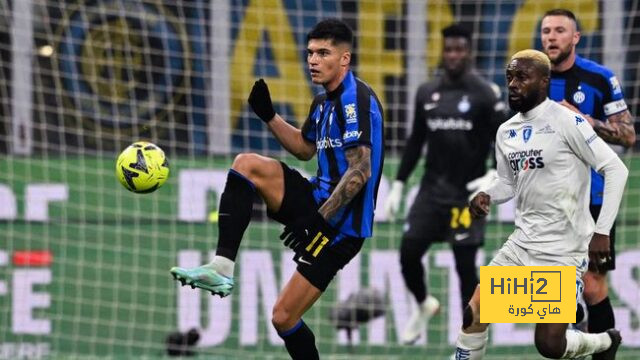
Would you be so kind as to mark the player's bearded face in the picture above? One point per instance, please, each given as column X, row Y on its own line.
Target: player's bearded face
column 526, row 84
column 455, row 55
column 326, row 62
column 559, row 37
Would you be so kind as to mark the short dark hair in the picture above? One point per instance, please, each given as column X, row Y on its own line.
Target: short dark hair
column 333, row 29
column 457, row 30
column 562, row 12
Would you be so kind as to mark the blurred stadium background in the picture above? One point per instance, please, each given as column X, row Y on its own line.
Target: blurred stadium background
column 84, row 263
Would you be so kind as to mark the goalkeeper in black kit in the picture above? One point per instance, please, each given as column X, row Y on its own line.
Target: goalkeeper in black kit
column 457, row 115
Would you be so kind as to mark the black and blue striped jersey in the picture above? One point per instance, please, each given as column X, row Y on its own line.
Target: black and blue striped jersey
column 349, row 116
column 595, row 91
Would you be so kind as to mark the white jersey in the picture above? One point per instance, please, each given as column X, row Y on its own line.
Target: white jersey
column 545, row 156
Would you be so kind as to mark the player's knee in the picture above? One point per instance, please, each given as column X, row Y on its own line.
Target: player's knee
column 595, row 288
column 281, row 318
column 552, row 347
column 594, row 278
column 247, row 164
column 250, row 165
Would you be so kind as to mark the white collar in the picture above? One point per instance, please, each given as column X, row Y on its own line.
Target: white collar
column 539, row 109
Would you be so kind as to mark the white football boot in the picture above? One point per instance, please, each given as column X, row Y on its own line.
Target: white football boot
column 419, row 319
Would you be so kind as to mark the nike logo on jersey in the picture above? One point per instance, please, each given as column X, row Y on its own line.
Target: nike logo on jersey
column 302, row 260
column 462, row 236
column 430, row 106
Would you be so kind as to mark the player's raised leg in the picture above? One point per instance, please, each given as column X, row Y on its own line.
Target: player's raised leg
column 248, row 174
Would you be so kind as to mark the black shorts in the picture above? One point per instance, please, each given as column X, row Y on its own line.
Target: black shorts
column 437, row 222
column 299, row 201
column 610, row 265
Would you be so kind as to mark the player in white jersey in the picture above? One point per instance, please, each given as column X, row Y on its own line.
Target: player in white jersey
column 543, row 154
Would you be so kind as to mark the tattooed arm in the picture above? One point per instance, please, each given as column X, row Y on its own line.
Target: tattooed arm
column 352, row 181
column 618, row 129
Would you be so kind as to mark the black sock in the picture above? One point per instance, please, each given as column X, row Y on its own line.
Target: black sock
column 234, row 214
column 601, row 316
column 300, row 342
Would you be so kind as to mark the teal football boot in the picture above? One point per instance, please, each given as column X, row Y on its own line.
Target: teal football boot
column 204, row 277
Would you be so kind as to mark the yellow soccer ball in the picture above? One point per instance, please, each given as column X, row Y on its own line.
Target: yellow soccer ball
column 142, row 167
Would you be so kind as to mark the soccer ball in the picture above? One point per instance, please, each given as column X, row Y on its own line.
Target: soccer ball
column 142, row 167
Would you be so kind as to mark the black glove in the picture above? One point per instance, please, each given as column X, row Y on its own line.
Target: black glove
column 260, row 101
column 308, row 234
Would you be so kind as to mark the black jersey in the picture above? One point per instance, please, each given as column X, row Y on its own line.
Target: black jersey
column 458, row 120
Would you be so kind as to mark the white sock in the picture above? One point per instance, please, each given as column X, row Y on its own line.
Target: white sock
column 582, row 344
column 223, row 265
column 471, row 346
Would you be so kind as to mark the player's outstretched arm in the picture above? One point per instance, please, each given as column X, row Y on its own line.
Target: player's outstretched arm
column 352, row 181
column 288, row 135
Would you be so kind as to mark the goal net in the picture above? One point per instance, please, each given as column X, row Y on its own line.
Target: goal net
column 84, row 263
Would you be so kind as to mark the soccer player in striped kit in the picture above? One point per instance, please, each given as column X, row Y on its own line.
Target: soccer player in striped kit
column 592, row 90
column 327, row 217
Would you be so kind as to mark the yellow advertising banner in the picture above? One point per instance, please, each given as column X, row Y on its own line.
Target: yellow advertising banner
column 528, row 294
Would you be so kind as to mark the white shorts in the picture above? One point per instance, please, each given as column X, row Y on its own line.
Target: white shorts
column 512, row 254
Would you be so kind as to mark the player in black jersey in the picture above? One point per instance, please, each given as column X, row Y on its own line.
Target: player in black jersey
column 457, row 114
column 592, row 90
